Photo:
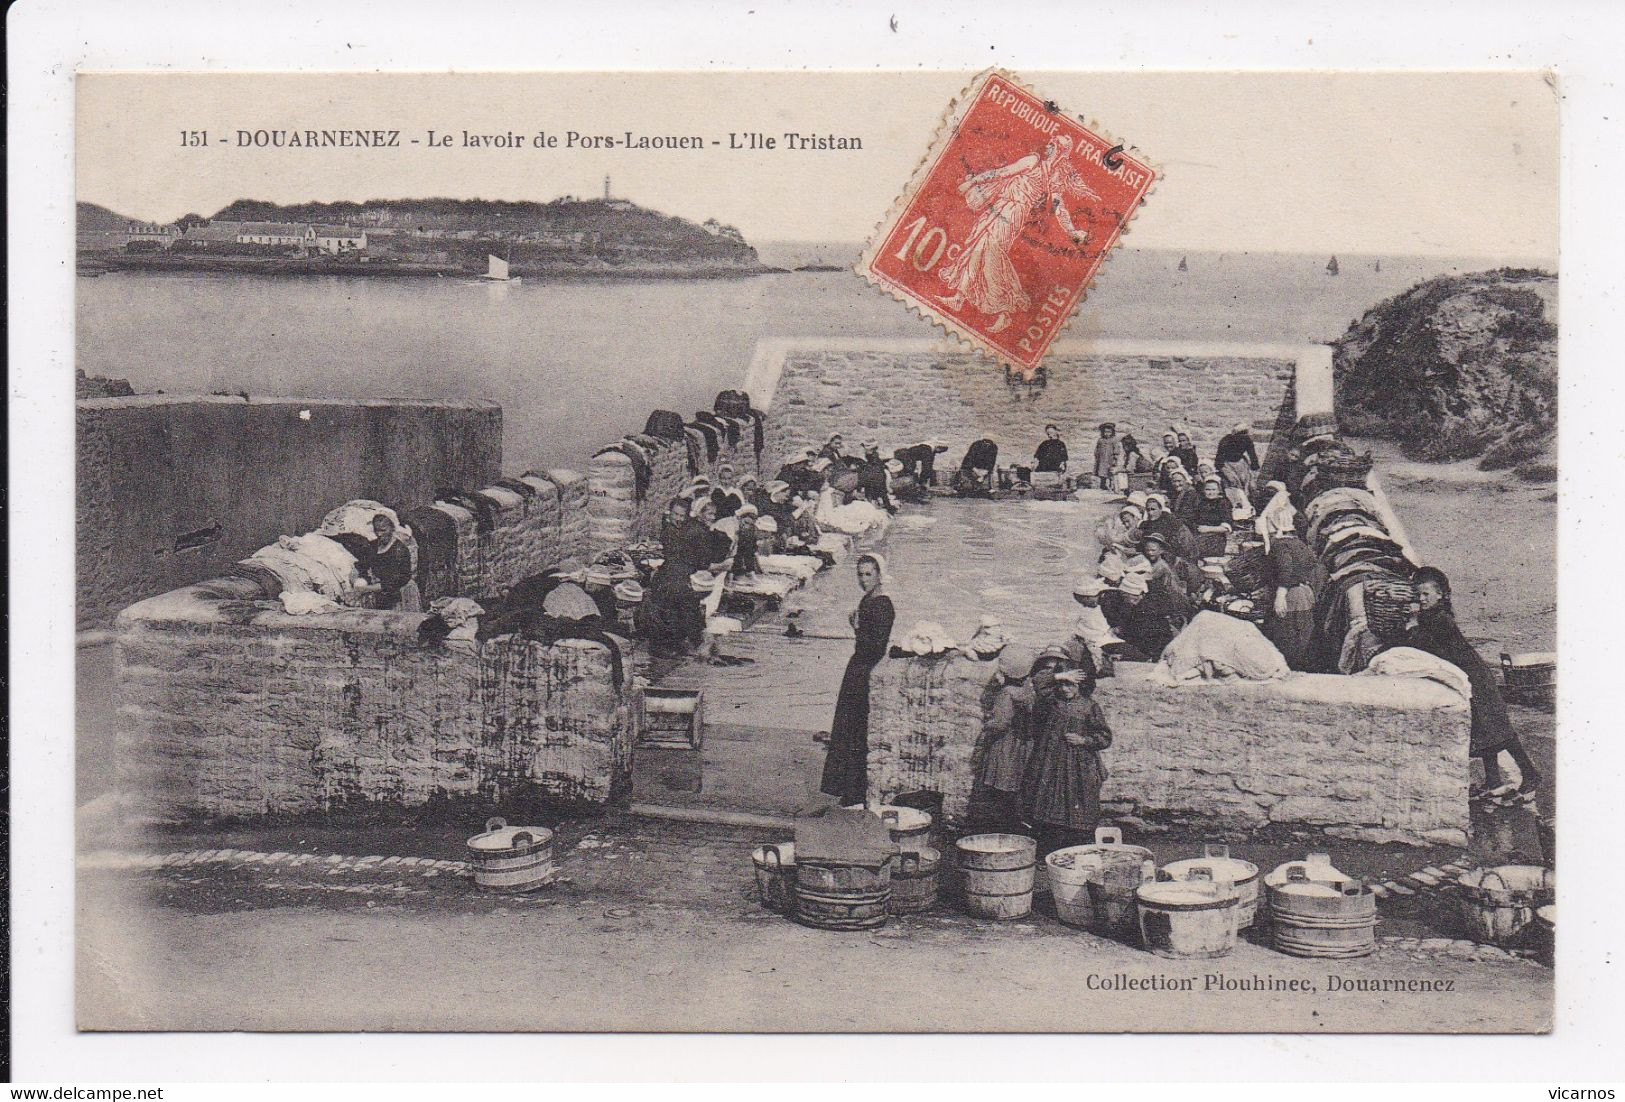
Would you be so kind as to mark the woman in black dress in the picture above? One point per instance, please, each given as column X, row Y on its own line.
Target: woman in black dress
column 1435, row 631
column 846, row 768
column 1213, row 512
column 674, row 617
column 390, row 565
column 976, row 470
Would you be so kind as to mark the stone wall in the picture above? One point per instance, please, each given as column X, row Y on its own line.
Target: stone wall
column 173, row 490
column 619, row 516
column 1375, row 758
column 230, row 708
column 529, row 533
column 903, row 392
column 227, row 710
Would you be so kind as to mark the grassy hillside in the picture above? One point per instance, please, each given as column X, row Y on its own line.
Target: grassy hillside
column 1457, row 367
column 613, row 230
column 92, row 218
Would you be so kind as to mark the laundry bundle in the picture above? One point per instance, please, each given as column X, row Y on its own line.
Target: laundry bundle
column 355, row 517
column 666, row 425
column 1214, row 646
column 303, row 602
column 761, row 585
column 1335, row 465
column 927, row 638
column 1411, row 662
column 452, row 618
column 800, row 567
column 313, row 562
column 989, row 639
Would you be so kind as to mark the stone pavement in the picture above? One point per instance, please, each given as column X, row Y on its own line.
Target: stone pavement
column 784, row 683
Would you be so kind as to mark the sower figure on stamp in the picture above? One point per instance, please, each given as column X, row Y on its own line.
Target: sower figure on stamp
column 1006, row 199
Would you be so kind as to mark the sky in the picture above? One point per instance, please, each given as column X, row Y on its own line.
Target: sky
column 1446, row 164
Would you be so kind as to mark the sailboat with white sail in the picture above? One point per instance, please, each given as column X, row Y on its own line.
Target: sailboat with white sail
column 496, row 270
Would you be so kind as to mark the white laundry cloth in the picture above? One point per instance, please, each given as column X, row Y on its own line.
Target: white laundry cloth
column 857, row 518
column 1214, row 646
column 312, row 563
column 761, row 585
column 800, row 567
column 331, row 556
column 1411, row 662
column 303, row 602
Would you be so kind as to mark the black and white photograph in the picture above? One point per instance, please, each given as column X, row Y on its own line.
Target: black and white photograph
column 528, row 580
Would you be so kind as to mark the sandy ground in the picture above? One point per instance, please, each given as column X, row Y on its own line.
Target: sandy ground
column 662, row 968
column 1494, row 534
column 652, row 927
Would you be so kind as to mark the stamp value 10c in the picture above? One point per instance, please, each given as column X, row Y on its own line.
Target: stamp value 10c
column 1006, row 221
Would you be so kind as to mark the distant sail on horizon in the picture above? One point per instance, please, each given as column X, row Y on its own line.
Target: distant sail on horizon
column 1182, row 266
column 1331, row 266
column 1378, row 266
column 496, row 267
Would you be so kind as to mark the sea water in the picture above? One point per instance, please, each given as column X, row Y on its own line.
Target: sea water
column 576, row 364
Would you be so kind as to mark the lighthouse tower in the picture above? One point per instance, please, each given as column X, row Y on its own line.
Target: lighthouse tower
column 606, row 189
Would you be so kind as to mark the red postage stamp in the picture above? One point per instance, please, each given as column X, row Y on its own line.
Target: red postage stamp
column 1007, row 220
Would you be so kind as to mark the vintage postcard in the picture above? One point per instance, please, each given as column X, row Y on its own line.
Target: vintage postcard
column 806, row 551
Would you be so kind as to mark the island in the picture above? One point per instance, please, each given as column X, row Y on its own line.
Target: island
column 499, row 240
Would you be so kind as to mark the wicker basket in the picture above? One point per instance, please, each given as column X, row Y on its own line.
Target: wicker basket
column 1316, row 424
column 1342, row 470
column 1388, row 605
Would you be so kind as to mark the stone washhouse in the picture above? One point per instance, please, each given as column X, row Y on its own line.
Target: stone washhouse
column 229, row 710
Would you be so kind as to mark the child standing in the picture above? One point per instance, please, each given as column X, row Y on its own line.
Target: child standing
column 1108, row 457
column 999, row 760
column 1061, row 789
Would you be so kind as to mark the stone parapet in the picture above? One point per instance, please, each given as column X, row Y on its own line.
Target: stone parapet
column 619, row 514
column 902, row 392
column 228, row 710
column 173, row 489
column 1375, row 758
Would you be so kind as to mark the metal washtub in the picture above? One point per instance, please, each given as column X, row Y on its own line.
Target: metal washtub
column 1498, row 905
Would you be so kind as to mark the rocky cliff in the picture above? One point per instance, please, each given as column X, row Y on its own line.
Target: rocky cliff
column 1456, row 367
